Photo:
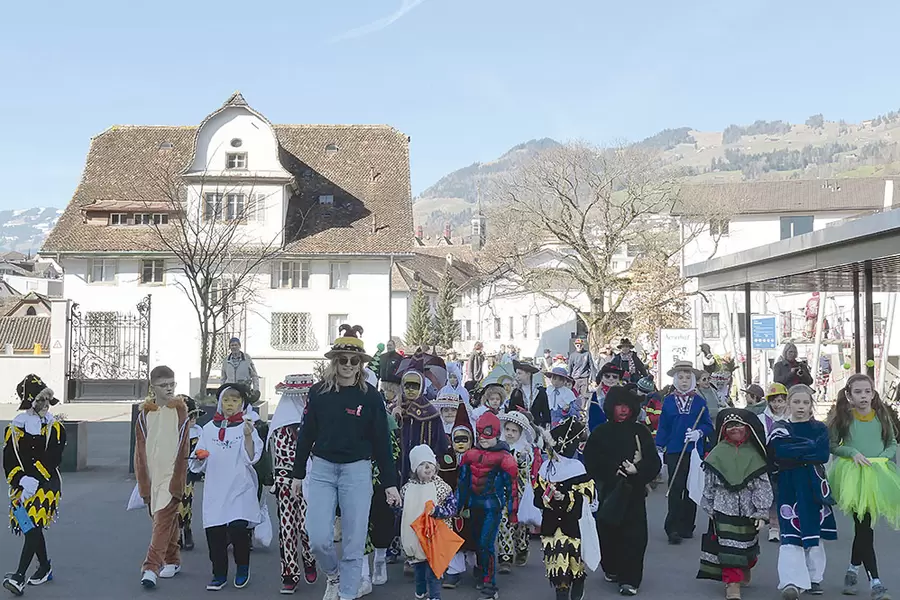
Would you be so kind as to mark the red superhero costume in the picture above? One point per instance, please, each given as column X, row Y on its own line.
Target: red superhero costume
column 487, row 478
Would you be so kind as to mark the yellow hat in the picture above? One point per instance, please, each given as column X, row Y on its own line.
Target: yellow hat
column 776, row 389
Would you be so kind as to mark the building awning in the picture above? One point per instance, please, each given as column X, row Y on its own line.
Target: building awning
column 823, row 260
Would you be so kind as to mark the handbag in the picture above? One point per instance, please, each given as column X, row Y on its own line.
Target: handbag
column 695, row 478
column 135, row 502
column 590, row 540
column 262, row 533
column 613, row 505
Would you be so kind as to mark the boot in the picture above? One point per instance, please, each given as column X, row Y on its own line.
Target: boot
column 732, row 591
column 578, row 589
column 562, row 593
column 187, row 538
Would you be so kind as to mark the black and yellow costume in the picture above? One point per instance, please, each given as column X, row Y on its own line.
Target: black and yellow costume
column 32, row 452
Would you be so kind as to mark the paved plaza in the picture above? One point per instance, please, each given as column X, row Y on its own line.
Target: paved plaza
column 97, row 547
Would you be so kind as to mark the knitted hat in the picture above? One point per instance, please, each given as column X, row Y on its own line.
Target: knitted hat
column 30, row 388
column 421, row 454
column 349, row 343
column 488, row 426
column 646, row 385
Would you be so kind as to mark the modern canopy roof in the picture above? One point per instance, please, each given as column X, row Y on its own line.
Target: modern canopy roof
column 823, row 260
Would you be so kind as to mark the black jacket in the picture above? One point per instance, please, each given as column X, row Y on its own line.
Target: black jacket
column 639, row 369
column 609, row 445
column 784, row 375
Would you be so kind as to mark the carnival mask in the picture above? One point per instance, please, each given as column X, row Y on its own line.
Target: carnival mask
column 462, row 441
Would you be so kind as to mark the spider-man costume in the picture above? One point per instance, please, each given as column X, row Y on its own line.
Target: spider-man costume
column 486, row 486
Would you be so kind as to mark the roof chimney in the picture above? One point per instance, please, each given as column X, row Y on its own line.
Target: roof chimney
column 419, row 232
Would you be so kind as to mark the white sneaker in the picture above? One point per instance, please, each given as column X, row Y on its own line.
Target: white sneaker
column 365, row 588
column 148, row 580
column 774, row 535
column 332, row 588
column 379, row 574
column 169, row 571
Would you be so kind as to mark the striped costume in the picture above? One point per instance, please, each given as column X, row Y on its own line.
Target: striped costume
column 36, row 456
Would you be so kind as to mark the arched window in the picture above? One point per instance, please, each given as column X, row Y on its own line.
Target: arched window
column 30, row 312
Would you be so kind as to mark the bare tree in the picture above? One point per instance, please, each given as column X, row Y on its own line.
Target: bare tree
column 592, row 229
column 220, row 255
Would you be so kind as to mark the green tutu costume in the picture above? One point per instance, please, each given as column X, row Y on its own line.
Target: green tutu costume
column 861, row 489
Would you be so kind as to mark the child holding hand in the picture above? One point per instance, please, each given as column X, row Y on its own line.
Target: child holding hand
column 424, row 485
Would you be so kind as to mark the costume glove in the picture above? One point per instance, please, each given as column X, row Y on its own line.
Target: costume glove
column 29, row 486
column 692, row 435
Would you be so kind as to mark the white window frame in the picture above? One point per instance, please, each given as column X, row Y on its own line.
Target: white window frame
column 707, row 331
column 235, row 161
column 326, row 199
column 143, row 218
column 255, row 209
column 293, row 275
column 497, row 325
column 287, row 336
column 512, row 328
column 524, row 327
column 160, row 219
column 537, row 326
column 109, row 267
column 335, row 321
column 343, row 279
column 225, row 207
column 118, row 219
column 157, row 269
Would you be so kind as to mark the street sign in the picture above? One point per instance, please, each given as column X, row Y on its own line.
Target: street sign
column 675, row 345
column 763, row 330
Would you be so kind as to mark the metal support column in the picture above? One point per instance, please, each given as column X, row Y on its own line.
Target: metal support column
column 857, row 326
column 748, row 337
column 870, row 322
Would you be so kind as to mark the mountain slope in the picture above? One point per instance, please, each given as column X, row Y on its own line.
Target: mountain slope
column 762, row 150
column 24, row 230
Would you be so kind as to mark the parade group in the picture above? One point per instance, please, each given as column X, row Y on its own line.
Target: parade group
column 454, row 473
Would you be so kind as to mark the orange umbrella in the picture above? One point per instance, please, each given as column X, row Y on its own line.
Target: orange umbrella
column 438, row 540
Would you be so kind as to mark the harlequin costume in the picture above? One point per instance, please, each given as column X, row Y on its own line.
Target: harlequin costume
column 513, row 537
column 486, row 486
column 622, row 522
column 186, row 510
column 297, row 559
column 420, row 421
column 681, row 410
column 32, row 450
column 736, row 494
column 564, row 491
column 805, row 504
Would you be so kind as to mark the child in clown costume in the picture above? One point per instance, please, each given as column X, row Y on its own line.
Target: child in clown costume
column 487, row 477
column 519, row 435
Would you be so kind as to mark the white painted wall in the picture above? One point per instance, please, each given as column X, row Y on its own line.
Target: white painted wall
column 13, row 369
column 48, row 287
column 174, row 333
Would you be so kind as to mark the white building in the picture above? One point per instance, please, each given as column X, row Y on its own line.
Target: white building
column 768, row 212
column 334, row 198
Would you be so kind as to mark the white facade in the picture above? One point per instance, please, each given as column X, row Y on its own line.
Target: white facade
column 52, row 288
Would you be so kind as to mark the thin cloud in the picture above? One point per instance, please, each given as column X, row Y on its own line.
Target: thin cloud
column 379, row 24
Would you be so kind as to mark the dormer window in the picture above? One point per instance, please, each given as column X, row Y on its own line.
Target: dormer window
column 326, row 199
column 118, row 219
column 331, row 148
column 236, row 160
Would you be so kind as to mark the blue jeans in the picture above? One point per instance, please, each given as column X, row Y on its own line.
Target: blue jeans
column 350, row 487
column 427, row 585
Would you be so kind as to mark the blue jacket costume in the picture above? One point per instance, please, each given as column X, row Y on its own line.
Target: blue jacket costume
column 678, row 415
column 805, row 513
column 596, row 414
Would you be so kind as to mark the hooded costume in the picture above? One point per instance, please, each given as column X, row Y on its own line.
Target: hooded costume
column 459, row 388
column 683, row 423
column 161, row 450
column 296, row 557
column 420, row 422
column 622, row 518
column 736, row 493
column 564, row 491
column 32, row 452
column 486, row 487
column 230, row 505
column 513, row 538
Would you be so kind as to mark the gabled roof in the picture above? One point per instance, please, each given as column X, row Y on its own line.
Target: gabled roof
column 427, row 270
column 786, row 196
column 365, row 168
column 28, row 299
column 24, row 332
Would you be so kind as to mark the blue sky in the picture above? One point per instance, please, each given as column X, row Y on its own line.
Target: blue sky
column 466, row 79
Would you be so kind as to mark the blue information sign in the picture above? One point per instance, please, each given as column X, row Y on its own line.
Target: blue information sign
column 763, row 331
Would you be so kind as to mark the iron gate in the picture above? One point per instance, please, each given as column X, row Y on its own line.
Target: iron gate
column 109, row 355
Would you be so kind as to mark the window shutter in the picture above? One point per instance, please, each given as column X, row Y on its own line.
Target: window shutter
column 275, row 274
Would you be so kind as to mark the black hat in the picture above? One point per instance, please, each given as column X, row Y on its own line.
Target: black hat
column 625, row 343
column 30, row 388
column 194, row 411
column 622, row 395
column 524, row 366
column 609, row 367
column 568, row 436
column 241, row 389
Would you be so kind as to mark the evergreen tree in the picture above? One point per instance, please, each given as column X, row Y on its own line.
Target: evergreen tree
column 445, row 327
column 418, row 328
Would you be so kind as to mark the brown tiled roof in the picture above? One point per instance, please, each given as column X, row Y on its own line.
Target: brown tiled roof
column 24, row 332
column 428, row 271
column 365, row 168
column 788, row 196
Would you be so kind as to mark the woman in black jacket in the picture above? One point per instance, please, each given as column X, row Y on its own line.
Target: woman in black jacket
column 788, row 371
column 621, row 457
